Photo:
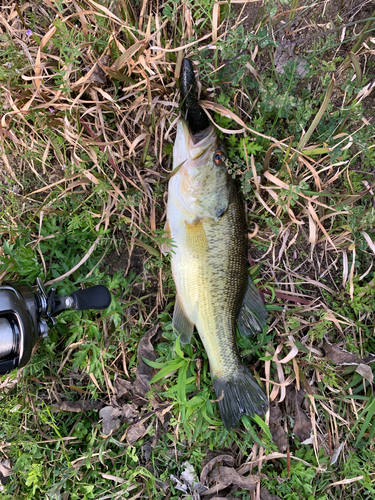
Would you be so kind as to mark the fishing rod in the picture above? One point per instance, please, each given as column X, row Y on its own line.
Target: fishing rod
column 25, row 316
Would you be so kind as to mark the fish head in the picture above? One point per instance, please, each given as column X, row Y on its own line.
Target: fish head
column 204, row 183
column 194, row 149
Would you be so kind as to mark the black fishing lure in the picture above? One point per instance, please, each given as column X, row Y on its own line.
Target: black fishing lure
column 194, row 114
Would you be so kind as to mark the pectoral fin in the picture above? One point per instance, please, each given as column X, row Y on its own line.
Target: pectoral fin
column 253, row 313
column 196, row 236
column 181, row 323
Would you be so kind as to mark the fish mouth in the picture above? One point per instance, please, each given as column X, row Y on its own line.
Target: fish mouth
column 201, row 136
column 196, row 144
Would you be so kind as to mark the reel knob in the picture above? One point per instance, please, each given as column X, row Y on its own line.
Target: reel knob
column 96, row 297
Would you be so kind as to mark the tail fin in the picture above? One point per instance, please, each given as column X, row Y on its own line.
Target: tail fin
column 239, row 395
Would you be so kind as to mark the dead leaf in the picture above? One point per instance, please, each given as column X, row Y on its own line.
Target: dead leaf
column 117, row 479
column 365, row 372
column 178, row 484
column 188, row 476
column 38, row 64
column 342, row 357
column 111, row 419
column 145, row 372
column 339, row 355
column 302, row 423
column 188, row 481
column 77, row 406
column 369, row 359
column 129, row 413
column 95, row 74
column 122, row 387
column 278, row 433
column 226, row 476
column 266, row 495
column 98, row 75
column 146, row 449
column 208, row 466
column 286, row 55
column 162, row 410
column 5, row 471
column 336, row 453
column 135, row 432
column 157, row 435
column 228, row 497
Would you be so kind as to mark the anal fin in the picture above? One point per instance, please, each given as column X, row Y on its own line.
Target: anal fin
column 181, row 323
column 253, row 313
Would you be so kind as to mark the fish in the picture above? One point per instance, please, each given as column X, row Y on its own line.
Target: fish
column 206, row 223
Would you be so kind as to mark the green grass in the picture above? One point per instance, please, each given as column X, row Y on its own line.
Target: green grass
column 85, row 167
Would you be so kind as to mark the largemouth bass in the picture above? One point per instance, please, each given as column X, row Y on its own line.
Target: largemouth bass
column 206, row 221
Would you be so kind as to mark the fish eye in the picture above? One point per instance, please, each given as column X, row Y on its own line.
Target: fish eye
column 219, row 157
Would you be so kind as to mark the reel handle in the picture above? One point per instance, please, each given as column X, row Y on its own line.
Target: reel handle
column 96, row 297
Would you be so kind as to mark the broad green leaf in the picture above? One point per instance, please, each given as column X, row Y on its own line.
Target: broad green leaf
column 207, row 418
column 247, row 423
column 181, row 382
column 167, row 370
column 178, row 349
column 370, row 409
column 263, row 425
column 154, row 364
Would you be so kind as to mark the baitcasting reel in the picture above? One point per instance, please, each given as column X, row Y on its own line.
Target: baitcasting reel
column 24, row 315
